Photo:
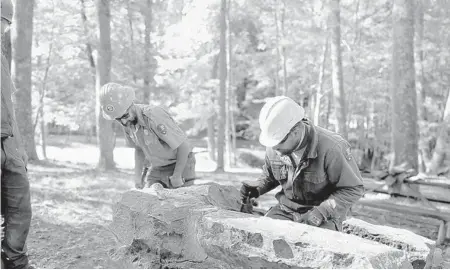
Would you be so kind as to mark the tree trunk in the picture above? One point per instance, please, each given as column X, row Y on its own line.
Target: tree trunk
column 229, row 112
column 337, row 72
column 320, row 82
column 283, row 49
column 41, row 99
column 43, row 135
column 148, row 70
column 329, row 106
column 105, row 132
column 232, row 90
column 420, row 75
column 420, row 82
column 441, row 150
column 277, row 59
column 89, row 53
column 223, row 79
column 22, row 39
column 403, row 91
column 211, row 138
column 132, row 56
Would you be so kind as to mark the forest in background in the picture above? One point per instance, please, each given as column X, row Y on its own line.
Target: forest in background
column 376, row 72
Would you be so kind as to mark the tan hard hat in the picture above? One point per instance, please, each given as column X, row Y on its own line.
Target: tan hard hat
column 115, row 99
column 277, row 117
column 7, row 10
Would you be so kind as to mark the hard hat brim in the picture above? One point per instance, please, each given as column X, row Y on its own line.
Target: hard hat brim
column 265, row 140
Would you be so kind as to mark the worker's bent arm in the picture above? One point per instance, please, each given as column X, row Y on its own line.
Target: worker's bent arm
column 267, row 181
column 342, row 172
column 182, row 156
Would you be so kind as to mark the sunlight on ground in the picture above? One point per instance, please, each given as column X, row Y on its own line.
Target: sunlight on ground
column 124, row 158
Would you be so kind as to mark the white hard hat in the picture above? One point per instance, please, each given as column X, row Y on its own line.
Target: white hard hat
column 277, row 117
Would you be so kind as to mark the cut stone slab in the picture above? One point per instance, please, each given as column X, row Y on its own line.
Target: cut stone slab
column 416, row 247
column 260, row 242
column 199, row 227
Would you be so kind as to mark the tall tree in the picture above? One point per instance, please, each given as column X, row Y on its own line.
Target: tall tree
column 22, row 39
column 231, row 90
column 89, row 52
column 132, row 55
column 337, row 71
column 403, row 89
column 442, row 148
column 420, row 82
column 105, row 133
column 148, row 70
column 320, row 82
column 283, row 47
column 223, row 82
column 40, row 115
column 278, row 58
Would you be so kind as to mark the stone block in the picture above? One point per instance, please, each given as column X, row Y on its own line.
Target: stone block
column 246, row 241
column 416, row 247
column 200, row 227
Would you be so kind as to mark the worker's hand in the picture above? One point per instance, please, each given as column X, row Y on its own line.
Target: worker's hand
column 176, row 181
column 249, row 191
column 312, row 217
column 139, row 185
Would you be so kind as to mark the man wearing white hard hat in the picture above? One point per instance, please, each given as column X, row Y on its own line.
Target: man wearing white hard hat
column 320, row 180
column 158, row 140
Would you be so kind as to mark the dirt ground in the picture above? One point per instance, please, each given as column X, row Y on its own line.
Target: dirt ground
column 72, row 203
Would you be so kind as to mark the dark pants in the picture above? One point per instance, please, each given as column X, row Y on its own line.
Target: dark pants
column 15, row 206
column 161, row 174
column 277, row 213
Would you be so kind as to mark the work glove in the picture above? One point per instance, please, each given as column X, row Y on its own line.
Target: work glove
column 249, row 190
column 313, row 217
column 139, row 185
column 176, row 181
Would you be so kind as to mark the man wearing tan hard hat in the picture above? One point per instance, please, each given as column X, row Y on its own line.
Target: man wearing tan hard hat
column 319, row 177
column 158, row 140
column 16, row 203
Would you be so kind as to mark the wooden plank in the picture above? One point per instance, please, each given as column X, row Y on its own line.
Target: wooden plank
column 388, row 205
column 437, row 193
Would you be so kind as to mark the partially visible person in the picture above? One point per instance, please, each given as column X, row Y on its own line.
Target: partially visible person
column 160, row 143
column 16, row 203
column 319, row 177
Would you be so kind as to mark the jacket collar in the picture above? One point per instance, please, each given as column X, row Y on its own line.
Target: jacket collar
column 139, row 109
column 310, row 141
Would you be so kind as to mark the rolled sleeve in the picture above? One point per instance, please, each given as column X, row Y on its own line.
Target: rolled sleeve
column 166, row 128
column 342, row 172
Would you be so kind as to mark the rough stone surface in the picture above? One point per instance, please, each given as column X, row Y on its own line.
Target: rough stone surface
column 193, row 227
column 225, row 236
column 415, row 246
column 165, row 219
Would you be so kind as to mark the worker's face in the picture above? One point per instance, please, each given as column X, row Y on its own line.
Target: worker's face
column 129, row 118
column 291, row 141
column 5, row 26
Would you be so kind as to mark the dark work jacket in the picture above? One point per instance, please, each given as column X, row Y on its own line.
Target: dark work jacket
column 326, row 174
column 7, row 105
